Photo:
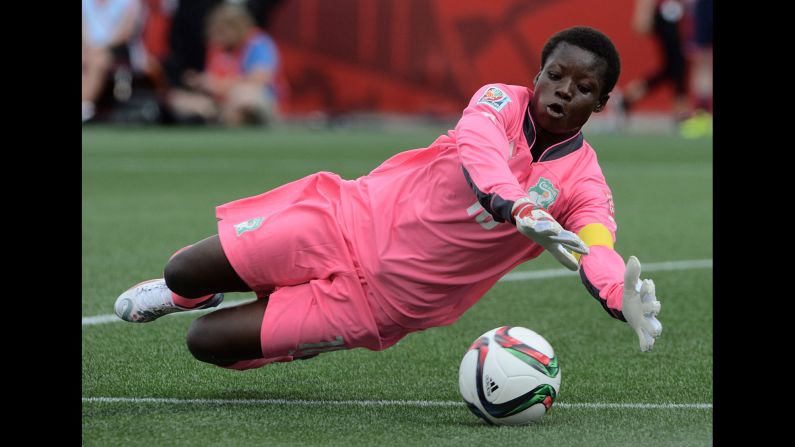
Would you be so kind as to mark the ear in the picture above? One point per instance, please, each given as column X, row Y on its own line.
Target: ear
column 601, row 104
column 535, row 79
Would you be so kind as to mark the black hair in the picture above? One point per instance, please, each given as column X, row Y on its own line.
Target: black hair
column 589, row 39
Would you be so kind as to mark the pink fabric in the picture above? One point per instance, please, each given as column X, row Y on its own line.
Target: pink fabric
column 483, row 137
column 190, row 303
column 286, row 245
column 412, row 230
column 286, row 236
column 604, row 269
column 413, row 221
column 320, row 316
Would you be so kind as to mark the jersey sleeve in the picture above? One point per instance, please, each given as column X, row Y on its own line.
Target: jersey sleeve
column 602, row 274
column 591, row 203
column 484, row 149
column 593, row 219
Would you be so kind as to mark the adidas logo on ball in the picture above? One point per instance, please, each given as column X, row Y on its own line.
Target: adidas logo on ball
column 491, row 386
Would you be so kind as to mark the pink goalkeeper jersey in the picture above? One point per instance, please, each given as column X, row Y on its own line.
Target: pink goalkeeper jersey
column 432, row 226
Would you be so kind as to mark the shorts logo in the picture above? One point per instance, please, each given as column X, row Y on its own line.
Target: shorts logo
column 249, row 225
column 306, row 349
column 494, row 98
column 543, row 194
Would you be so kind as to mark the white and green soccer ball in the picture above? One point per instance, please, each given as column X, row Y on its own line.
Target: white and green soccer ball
column 509, row 376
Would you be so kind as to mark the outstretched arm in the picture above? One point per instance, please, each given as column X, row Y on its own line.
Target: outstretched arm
column 602, row 270
column 617, row 287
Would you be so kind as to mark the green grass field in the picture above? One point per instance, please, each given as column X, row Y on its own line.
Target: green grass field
column 149, row 192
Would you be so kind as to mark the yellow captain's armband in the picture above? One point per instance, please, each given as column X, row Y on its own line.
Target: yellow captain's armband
column 594, row 234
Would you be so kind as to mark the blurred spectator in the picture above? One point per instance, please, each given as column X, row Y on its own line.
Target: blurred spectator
column 702, row 39
column 662, row 18
column 150, row 49
column 237, row 84
column 700, row 124
column 186, row 40
column 262, row 11
column 108, row 28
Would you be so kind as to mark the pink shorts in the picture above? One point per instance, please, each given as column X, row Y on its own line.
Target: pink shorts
column 288, row 241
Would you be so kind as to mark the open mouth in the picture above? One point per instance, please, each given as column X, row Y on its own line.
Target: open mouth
column 555, row 110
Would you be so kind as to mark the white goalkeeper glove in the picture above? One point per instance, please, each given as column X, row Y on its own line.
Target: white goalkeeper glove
column 542, row 228
column 640, row 305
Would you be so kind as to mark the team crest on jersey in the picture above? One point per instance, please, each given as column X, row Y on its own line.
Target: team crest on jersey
column 543, row 194
column 249, row 225
column 494, row 98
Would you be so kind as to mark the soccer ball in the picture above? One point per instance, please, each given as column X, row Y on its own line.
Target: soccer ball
column 509, row 376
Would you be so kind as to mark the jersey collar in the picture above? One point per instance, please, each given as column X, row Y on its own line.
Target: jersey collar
column 558, row 150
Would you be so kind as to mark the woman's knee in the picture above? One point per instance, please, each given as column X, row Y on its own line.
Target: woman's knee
column 203, row 344
column 201, row 269
column 228, row 335
column 99, row 59
column 180, row 277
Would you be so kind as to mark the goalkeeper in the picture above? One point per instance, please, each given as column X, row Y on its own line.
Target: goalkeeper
column 340, row 264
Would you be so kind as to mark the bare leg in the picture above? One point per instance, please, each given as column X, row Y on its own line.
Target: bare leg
column 202, row 269
column 228, row 335
column 702, row 79
column 681, row 108
column 97, row 64
column 244, row 100
column 185, row 102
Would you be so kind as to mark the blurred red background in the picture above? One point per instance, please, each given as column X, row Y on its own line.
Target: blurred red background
column 429, row 56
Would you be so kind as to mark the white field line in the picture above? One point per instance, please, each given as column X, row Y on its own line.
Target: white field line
column 383, row 403
column 513, row 276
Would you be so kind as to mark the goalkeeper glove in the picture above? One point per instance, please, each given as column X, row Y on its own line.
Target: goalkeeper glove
column 640, row 306
column 539, row 226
